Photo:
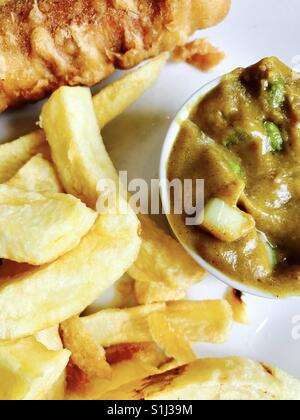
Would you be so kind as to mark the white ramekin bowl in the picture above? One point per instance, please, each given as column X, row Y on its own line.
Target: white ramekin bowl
column 169, row 142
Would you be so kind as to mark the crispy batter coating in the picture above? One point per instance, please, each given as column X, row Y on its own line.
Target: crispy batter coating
column 48, row 43
column 199, row 53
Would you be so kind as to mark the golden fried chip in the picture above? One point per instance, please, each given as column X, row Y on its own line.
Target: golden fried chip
column 208, row 321
column 154, row 291
column 116, row 97
column 15, row 154
column 116, row 326
column 51, row 294
column 38, row 228
column 162, row 259
column 239, row 308
column 50, row 338
column 81, row 163
column 87, row 353
column 148, row 353
column 58, row 390
column 126, row 297
column 108, row 104
column 36, row 175
column 213, row 379
column 76, row 146
column 28, row 370
column 169, row 339
column 205, row 321
column 121, row 295
column 82, row 388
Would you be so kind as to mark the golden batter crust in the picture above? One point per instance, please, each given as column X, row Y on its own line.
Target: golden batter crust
column 48, row 43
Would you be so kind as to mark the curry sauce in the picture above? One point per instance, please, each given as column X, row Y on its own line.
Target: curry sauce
column 243, row 139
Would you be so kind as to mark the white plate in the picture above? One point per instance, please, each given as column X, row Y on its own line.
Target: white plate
column 254, row 29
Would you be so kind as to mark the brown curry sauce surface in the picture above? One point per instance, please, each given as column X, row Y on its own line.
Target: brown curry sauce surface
column 245, row 136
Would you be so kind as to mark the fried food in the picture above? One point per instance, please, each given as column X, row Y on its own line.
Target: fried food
column 112, row 100
column 199, row 53
column 36, row 175
column 157, row 336
column 50, row 338
column 28, row 370
column 213, row 379
column 52, row 293
column 76, row 145
column 58, row 390
column 239, row 308
column 62, row 219
column 121, row 296
column 45, row 44
column 87, row 352
column 207, row 321
column 162, row 260
column 148, row 353
column 15, row 154
column 80, row 387
column 167, row 337
column 125, row 291
column 82, row 164
column 147, row 292
column 115, row 326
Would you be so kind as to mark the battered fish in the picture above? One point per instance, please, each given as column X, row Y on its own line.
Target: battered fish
column 48, row 43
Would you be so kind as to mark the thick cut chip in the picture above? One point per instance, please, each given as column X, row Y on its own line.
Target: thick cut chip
column 28, row 370
column 87, row 353
column 239, row 307
column 116, row 97
column 36, row 175
column 50, row 338
column 213, row 379
column 82, row 388
column 125, row 289
column 15, row 154
column 115, row 326
column 169, row 339
column 209, row 321
column 154, row 291
column 82, row 161
column 76, row 146
column 126, row 371
column 58, row 390
column 121, row 295
column 108, row 104
column 148, row 353
column 205, row 321
column 38, row 228
column 162, row 259
column 51, row 294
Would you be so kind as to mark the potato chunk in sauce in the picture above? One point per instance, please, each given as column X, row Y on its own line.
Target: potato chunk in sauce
column 243, row 139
